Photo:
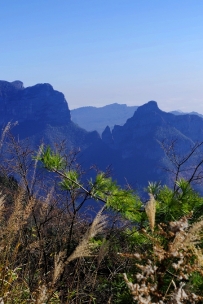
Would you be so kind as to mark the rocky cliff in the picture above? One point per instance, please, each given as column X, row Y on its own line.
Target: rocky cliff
column 140, row 141
column 37, row 103
column 41, row 113
column 133, row 151
column 149, row 123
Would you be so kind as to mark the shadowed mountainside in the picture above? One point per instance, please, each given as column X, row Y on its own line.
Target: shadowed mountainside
column 133, row 151
column 41, row 113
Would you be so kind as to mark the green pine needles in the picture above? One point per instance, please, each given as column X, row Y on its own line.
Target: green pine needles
column 52, row 250
column 101, row 189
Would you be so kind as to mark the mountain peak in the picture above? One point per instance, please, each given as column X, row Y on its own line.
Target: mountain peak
column 9, row 88
column 107, row 136
column 149, row 106
column 18, row 84
column 37, row 103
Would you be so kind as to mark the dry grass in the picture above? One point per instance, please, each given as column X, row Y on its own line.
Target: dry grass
column 26, row 228
column 173, row 263
column 150, row 210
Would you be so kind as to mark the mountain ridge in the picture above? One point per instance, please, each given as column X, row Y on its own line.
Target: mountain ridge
column 41, row 113
column 93, row 118
column 98, row 118
column 133, row 150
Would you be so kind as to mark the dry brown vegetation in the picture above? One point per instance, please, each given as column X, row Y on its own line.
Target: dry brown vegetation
column 46, row 256
column 56, row 248
column 52, row 250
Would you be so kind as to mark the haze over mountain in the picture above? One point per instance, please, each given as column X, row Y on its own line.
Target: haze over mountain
column 93, row 118
column 133, row 150
column 183, row 113
column 97, row 118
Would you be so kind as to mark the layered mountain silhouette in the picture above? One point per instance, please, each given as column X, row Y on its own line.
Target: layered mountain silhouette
column 183, row 113
column 93, row 118
column 97, row 118
column 134, row 151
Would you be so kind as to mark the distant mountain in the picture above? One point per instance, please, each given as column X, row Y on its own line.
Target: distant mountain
column 97, row 118
column 134, row 149
column 177, row 112
column 182, row 113
column 195, row 113
column 41, row 113
column 93, row 118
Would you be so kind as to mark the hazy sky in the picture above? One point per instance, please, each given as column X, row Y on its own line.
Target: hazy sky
column 99, row 52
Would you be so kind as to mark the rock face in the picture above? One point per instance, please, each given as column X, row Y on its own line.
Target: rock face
column 137, row 144
column 150, row 124
column 133, row 150
column 38, row 103
column 41, row 113
column 107, row 136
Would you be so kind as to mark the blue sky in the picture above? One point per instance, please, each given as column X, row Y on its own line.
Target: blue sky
column 99, row 52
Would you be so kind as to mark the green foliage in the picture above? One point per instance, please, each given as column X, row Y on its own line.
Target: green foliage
column 154, row 188
column 173, row 205
column 103, row 188
column 119, row 290
column 168, row 257
column 126, row 203
column 136, row 239
column 51, row 160
column 70, row 180
column 121, row 200
column 196, row 283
